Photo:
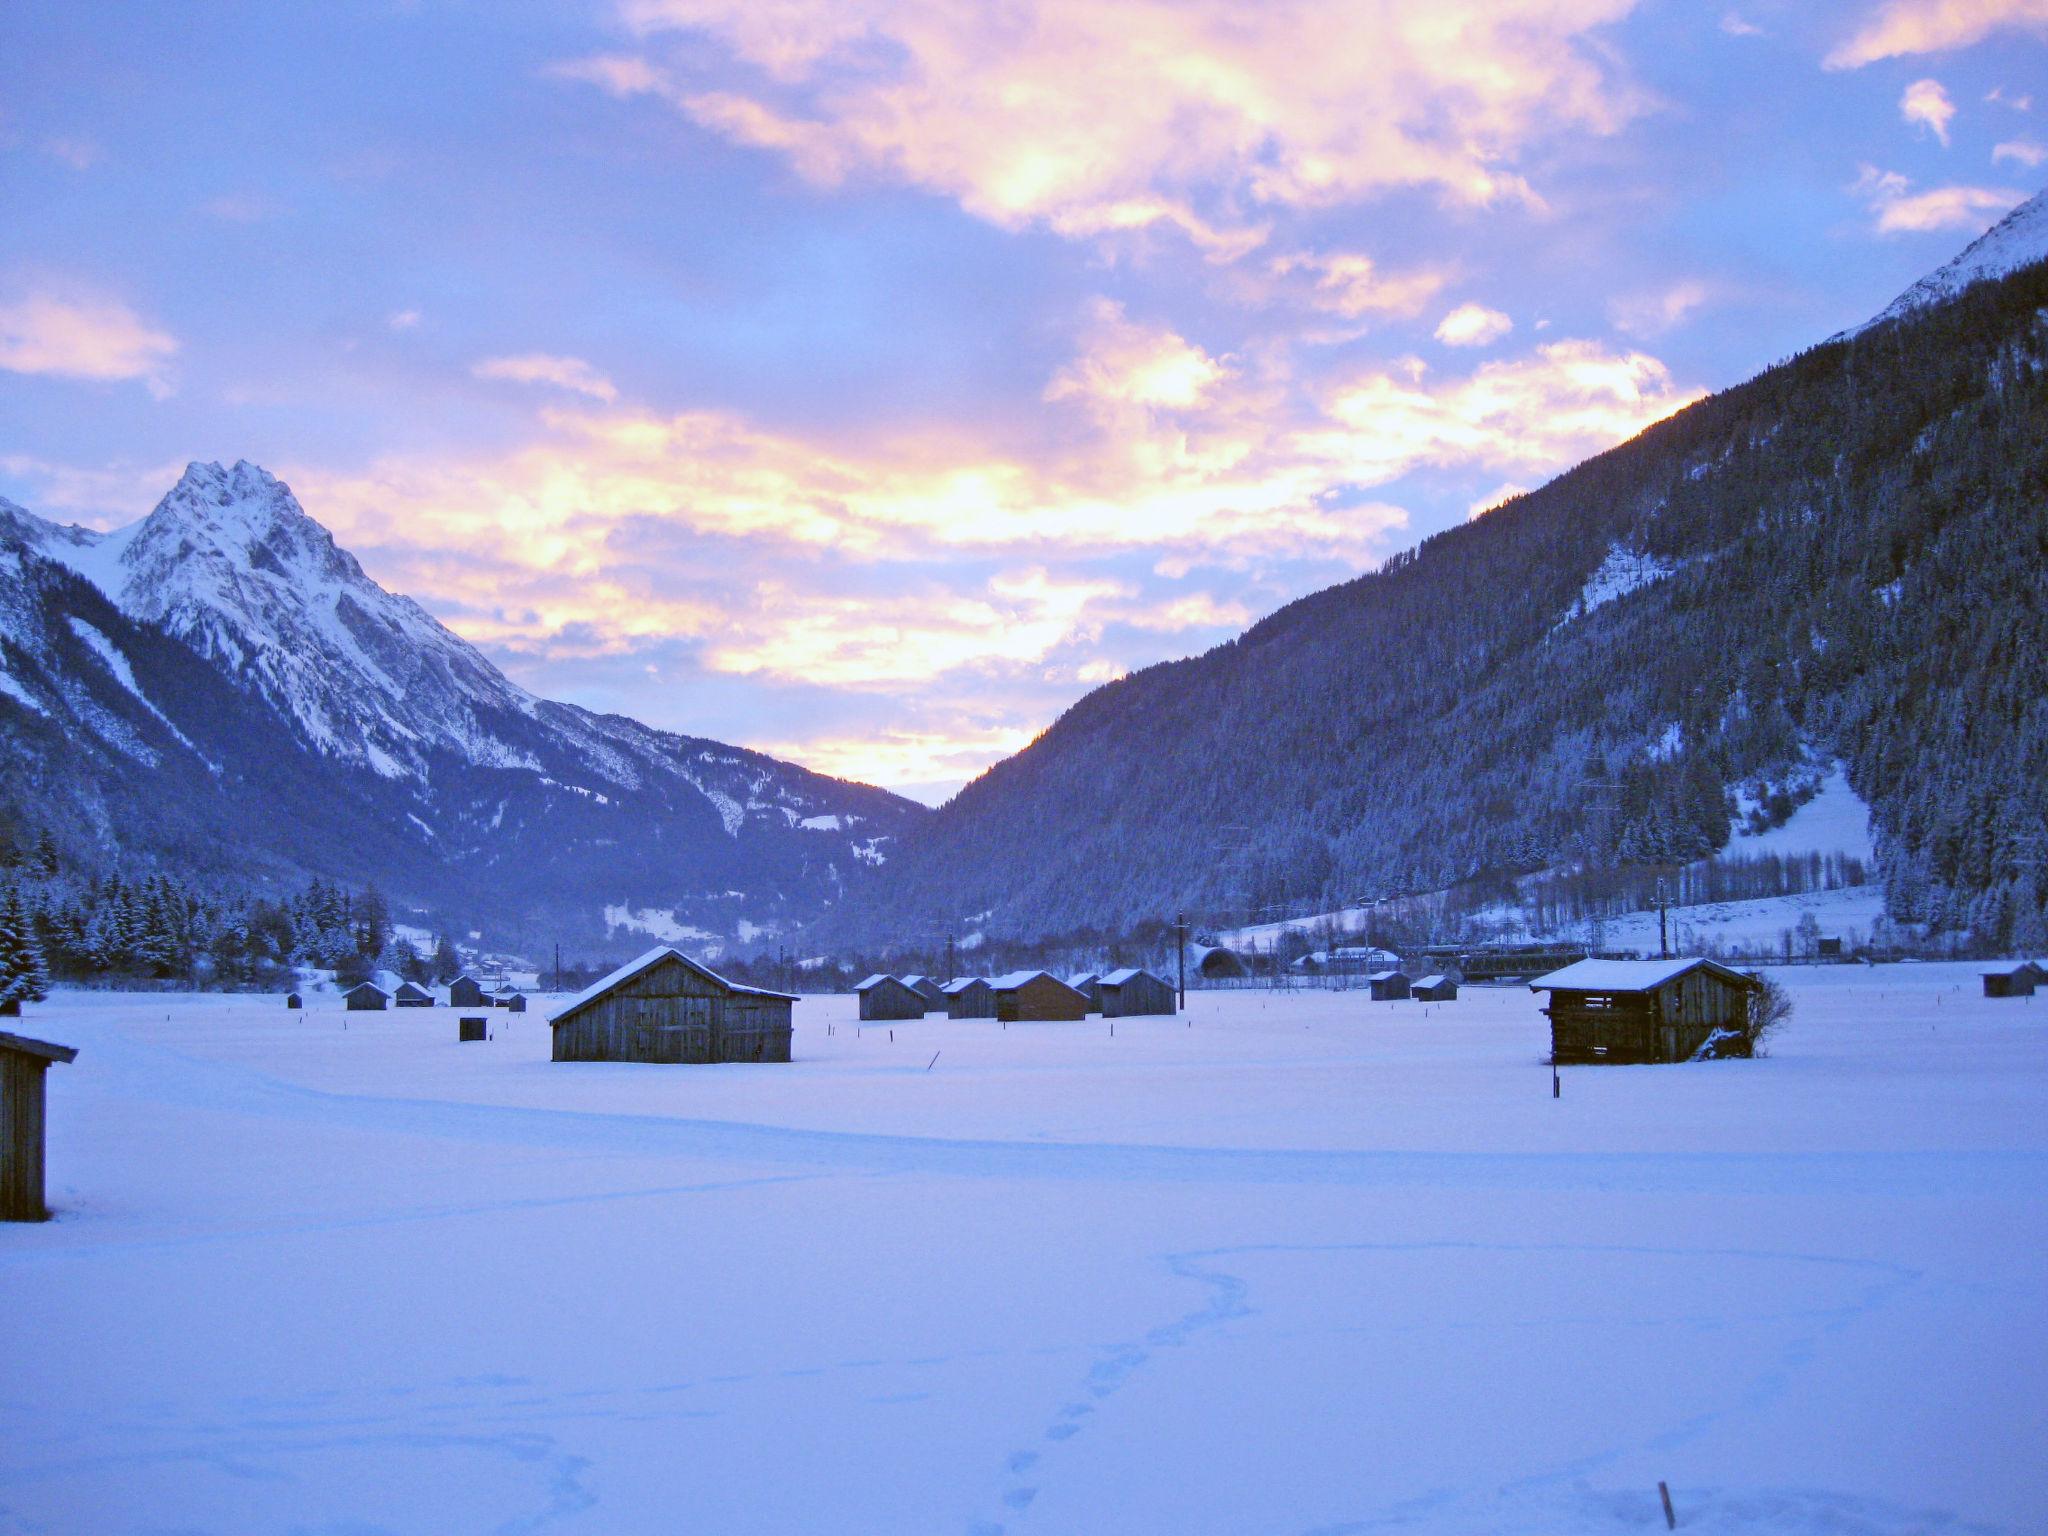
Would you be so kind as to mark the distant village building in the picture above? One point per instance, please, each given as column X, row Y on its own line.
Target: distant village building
column 1434, row 989
column 888, row 997
column 2011, row 980
column 466, row 992
column 1025, row 997
column 1641, row 1010
column 505, row 996
column 23, row 1066
column 410, row 996
column 516, row 1003
column 1349, row 960
column 1087, row 983
column 366, row 997
column 969, row 997
column 1129, row 994
column 1389, row 986
column 933, row 994
column 665, row 1007
column 1828, row 948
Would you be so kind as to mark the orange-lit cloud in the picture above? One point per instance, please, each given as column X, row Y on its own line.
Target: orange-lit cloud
column 570, row 373
column 1473, row 325
column 1905, row 27
column 1350, row 284
column 1927, row 103
column 76, row 335
column 1091, row 119
column 1897, row 209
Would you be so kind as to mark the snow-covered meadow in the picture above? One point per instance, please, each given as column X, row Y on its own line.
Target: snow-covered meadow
column 1297, row 1263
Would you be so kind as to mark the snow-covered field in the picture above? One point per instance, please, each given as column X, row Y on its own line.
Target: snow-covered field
column 1296, row 1264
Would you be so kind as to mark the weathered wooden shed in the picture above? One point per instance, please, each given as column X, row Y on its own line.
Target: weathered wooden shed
column 1026, row 997
column 1132, row 993
column 466, row 992
column 1434, row 989
column 503, row 997
column 23, row 1063
column 516, row 1003
column 925, row 987
column 366, row 996
column 887, row 997
column 1641, row 1010
column 293, row 1000
column 665, row 1007
column 1088, row 984
column 470, row 1027
column 969, row 997
column 410, row 995
column 1389, row 986
column 2011, row 980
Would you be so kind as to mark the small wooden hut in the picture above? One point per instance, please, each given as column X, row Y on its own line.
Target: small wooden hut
column 665, row 1007
column 503, row 996
column 1434, row 989
column 516, row 1003
column 472, row 1026
column 1133, row 993
column 293, row 1000
column 888, row 997
column 466, row 991
column 969, row 997
column 366, row 997
column 1389, row 986
column 933, row 994
column 1088, row 984
column 2011, row 980
column 1025, row 997
column 1641, row 1010
column 23, row 1063
column 410, row 995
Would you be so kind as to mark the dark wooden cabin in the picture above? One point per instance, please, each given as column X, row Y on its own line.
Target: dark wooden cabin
column 969, row 997
column 2011, row 981
column 466, row 992
column 1641, row 1010
column 366, row 997
column 1389, row 986
column 665, row 1007
column 1029, row 997
column 516, row 1003
column 933, row 994
column 1131, row 993
column 23, row 1065
column 470, row 1027
column 410, row 996
column 887, row 998
column 1434, row 989
column 293, row 1000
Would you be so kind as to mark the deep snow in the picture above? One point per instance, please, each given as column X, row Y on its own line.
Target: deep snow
column 1299, row 1263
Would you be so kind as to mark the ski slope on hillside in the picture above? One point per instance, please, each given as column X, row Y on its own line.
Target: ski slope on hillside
column 1296, row 1263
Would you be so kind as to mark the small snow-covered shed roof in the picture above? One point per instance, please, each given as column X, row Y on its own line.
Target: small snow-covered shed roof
column 1431, row 981
column 1629, row 975
column 1118, row 978
column 364, row 986
column 914, row 980
column 1010, row 980
column 646, row 962
column 2015, row 969
column 1388, row 975
column 871, row 982
column 960, row 984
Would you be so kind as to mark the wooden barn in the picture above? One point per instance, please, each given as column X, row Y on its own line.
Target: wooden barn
column 665, row 1007
column 293, row 1000
column 1641, row 1010
column 969, row 997
column 366, row 997
column 1434, row 989
column 516, row 1003
column 505, row 996
column 1089, row 985
column 23, row 1065
column 466, row 992
column 884, row 998
column 410, row 996
column 1130, row 993
column 933, row 994
column 2011, row 980
column 1028, row 997
column 1389, row 986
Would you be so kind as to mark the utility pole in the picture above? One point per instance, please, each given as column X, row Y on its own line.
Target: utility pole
column 1663, row 926
column 952, row 966
column 1180, row 945
column 558, row 965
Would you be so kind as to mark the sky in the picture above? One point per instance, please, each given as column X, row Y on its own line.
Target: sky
column 864, row 382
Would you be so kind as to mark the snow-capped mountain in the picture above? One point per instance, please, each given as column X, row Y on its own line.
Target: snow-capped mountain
column 482, row 794
column 2018, row 240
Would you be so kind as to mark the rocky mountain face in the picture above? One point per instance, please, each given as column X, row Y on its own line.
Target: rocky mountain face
column 220, row 686
column 1845, row 558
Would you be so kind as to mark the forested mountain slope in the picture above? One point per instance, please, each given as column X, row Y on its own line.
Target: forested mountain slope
column 1847, row 555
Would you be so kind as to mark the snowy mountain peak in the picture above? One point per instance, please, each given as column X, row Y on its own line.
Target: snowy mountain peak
column 2018, row 240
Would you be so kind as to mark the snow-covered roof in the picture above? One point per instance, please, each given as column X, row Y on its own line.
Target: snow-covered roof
column 347, row 991
column 647, row 962
column 2014, row 969
column 873, row 981
column 1082, row 979
column 1131, row 973
column 1627, row 975
column 1014, row 979
column 960, row 984
column 1431, row 981
column 1386, row 976
column 914, row 980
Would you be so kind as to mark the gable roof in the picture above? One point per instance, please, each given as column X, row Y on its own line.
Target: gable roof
column 960, row 984
column 1387, row 976
column 359, row 986
column 875, row 981
column 413, row 989
column 1431, row 981
column 46, row 1049
column 1015, row 979
column 1629, row 975
column 647, row 962
column 1130, row 973
column 2014, row 969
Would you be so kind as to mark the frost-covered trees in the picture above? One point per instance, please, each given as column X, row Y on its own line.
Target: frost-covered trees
column 23, row 976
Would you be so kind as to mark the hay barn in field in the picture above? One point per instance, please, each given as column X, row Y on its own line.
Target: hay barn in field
column 466, row 992
column 24, row 1063
column 969, row 997
column 885, row 998
column 1028, row 997
column 1132, row 993
column 933, row 994
column 1434, row 989
column 2011, row 981
column 665, row 1007
column 410, row 996
column 366, row 997
column 1389, row 986
column 1641, row 1010
column 1089, row 985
